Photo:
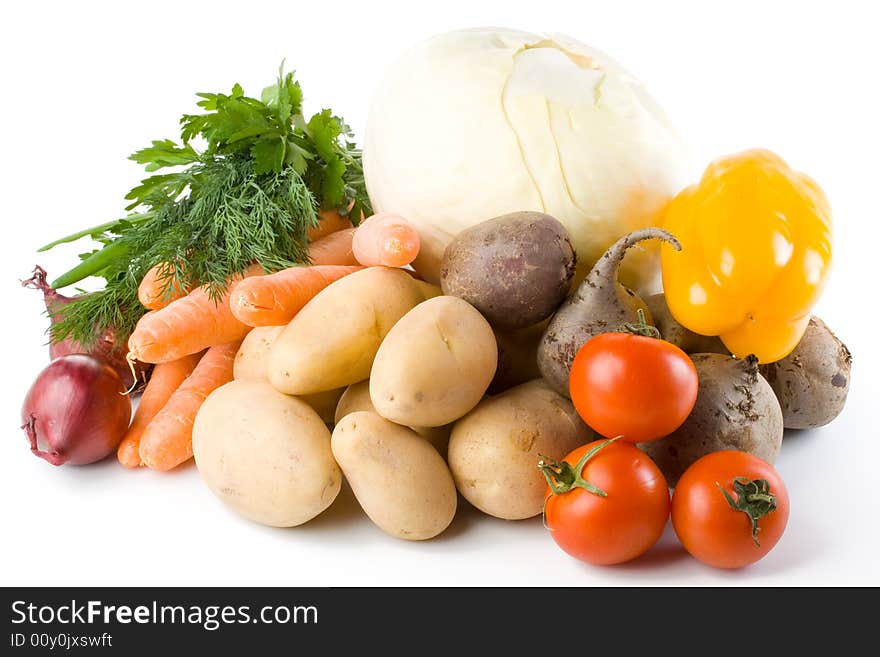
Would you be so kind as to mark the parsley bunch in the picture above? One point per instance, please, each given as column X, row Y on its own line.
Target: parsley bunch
column 248, row 195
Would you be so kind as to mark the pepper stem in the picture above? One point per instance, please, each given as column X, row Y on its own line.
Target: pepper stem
column 640, row 327
column 562, row 477
column 754, row 498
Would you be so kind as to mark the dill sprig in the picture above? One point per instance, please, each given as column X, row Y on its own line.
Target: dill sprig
column 248, row 197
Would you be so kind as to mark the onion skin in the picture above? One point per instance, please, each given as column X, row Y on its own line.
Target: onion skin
column 77, row 409
column 106, row 347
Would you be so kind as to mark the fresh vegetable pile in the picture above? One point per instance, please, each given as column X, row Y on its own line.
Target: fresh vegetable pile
column 286, row 337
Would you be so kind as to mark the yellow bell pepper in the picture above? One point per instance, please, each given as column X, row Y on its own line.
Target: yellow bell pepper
column 755, row 253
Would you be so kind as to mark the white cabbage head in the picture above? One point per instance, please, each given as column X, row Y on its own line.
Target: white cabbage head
column 477, row 123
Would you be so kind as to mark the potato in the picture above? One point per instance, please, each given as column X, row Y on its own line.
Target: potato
column 515, row 269
column 332, row 341
column 252, row 363
column 494, row 450
column 324, row 403
column 265, row 454
column 735, row 409
column 400, row 481
column 357, row 398
column 434, row 365
column 437, row 436
column 252, row 359
column 429, row 290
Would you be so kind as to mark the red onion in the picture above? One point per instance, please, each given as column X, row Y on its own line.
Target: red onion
column 106, row 347
column 76, row 412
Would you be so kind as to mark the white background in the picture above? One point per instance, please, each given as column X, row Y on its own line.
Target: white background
column 84, row 85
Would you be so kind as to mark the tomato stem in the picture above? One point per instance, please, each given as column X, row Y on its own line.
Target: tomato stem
column 562, row 477
column 641, row 327
column 753, row 497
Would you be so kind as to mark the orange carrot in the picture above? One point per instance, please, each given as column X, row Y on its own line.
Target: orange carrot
column 331, row 221
column 153, row 291
column 385, row 239
column 164, row 381
column 187, row 326
column 167, row 440
column 274, row 299
column 334, row 249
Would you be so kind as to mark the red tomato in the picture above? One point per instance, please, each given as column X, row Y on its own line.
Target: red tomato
column 617, row 527
column 637, row 387
column 709, row 526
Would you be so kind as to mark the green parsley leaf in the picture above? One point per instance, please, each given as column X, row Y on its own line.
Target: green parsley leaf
column 249, row 197
column 324, row 129
column 332, row 183
column 268, row 155
column 164, row 153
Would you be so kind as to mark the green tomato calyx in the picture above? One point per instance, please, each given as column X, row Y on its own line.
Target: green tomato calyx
column 753, row 497
column 562, row 477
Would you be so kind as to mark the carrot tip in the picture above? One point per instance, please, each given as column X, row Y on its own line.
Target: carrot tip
column 128, row 456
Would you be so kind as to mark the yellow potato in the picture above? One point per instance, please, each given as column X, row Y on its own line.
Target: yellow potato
column 324, row 403
column 437, row 436
column 494, row 450
column 332, row 341
column 429, row 290
column 357, row 398
column 252, row 359
column 434, row 365
column 265, row 454
column 400, row 480
column 252, row 363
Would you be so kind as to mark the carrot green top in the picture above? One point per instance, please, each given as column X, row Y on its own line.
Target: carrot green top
column 249, row 196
